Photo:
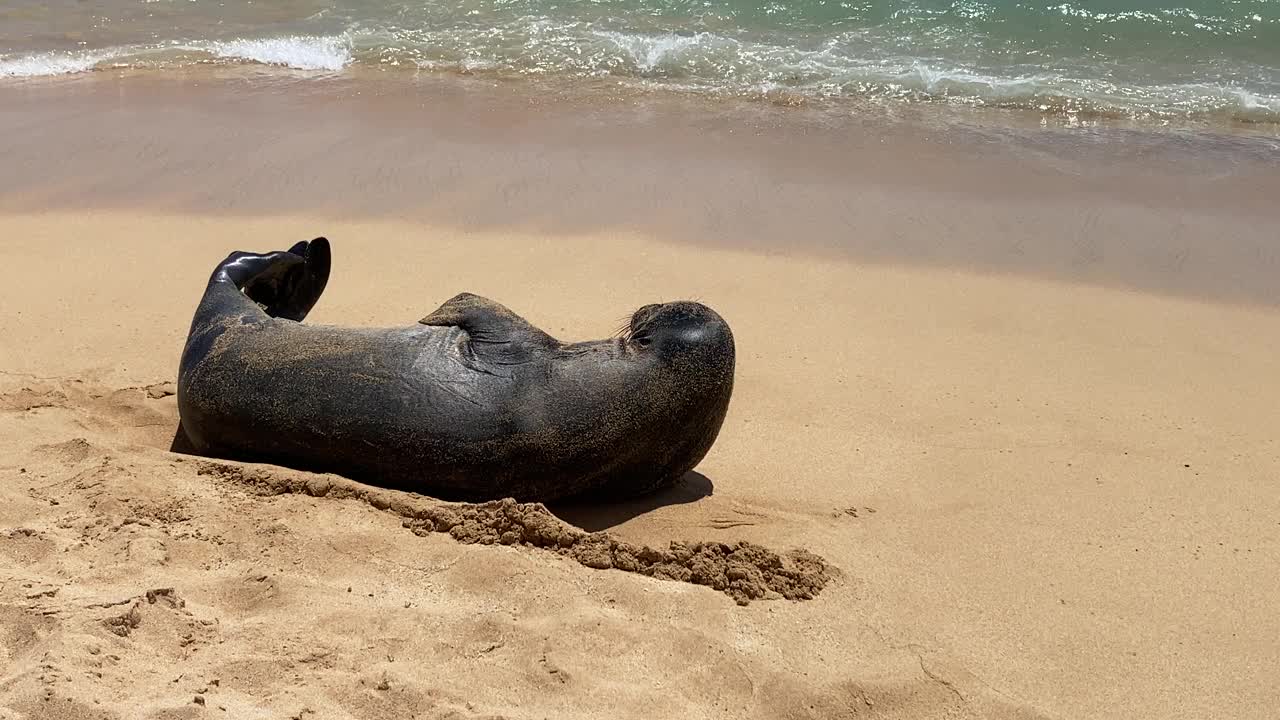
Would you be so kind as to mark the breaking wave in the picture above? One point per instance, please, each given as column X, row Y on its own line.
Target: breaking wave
column 297, row 52
column 832, row 67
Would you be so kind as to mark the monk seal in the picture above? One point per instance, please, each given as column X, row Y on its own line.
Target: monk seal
column 471, row 403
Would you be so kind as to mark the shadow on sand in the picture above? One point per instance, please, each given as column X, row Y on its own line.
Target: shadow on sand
column 602, row 515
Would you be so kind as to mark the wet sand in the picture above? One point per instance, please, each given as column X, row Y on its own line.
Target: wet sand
column 1025, row 408
column 1176, row 213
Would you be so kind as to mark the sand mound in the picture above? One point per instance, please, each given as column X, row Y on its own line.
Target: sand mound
column 744, row 571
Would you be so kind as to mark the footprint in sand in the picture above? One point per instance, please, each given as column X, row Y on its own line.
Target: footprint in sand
column 25, row 546
column 21, row 633
column 252, row 593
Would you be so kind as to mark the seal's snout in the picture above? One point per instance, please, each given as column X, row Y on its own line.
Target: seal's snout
column 680, row 326
column 643, row 317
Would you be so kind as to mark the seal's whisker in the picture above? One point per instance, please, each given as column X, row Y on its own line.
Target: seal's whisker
column 623, row 329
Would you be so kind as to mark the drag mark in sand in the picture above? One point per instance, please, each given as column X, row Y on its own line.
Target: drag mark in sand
column 744, row 571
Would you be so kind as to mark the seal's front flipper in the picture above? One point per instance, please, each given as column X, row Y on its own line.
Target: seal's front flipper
column 482, row 318
column 495, row 334
column 286, row 284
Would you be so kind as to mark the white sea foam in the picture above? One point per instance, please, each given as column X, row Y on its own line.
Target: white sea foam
column 652, row 52
column 301, row 52
column 1253, row 102
column 711, row 62
column 53, row 63
column 946, row 81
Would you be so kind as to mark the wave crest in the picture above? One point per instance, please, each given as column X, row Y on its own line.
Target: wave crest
column 653, row 52
column 47, row 64
column 300, row 52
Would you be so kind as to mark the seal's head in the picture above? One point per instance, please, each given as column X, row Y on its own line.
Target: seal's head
column 671, row 395
column 682, row 333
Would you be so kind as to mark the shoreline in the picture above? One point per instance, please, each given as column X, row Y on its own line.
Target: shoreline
column 1224, row 105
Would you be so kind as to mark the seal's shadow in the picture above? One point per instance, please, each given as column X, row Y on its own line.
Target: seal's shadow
column 593, row 516
column 590, row 515
column 181, row 444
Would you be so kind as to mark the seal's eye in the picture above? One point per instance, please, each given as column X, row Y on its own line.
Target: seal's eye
column 643, row 341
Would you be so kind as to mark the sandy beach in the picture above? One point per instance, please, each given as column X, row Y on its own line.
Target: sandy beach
column 1022, row 399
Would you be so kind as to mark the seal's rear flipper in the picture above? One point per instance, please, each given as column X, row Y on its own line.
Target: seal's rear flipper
column 288, row 284
column 307, row 293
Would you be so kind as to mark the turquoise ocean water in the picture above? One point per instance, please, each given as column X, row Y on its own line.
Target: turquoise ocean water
column 1170, row 62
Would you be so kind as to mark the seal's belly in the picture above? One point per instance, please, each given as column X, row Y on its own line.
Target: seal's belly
column 312, row 394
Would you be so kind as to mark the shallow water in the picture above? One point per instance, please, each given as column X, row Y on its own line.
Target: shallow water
column 1193, row 61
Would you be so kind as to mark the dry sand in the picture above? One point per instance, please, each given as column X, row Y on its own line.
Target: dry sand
column 1040, row 498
